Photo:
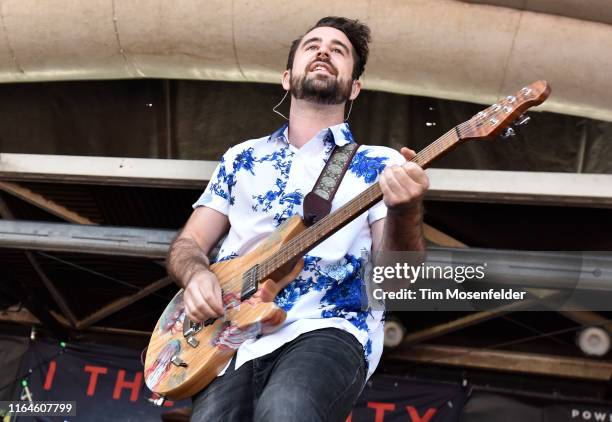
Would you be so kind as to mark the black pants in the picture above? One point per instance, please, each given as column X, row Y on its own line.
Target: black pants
column 316, row 377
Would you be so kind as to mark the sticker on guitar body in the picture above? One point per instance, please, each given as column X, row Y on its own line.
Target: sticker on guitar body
column 159, row 370
column 173, row 317
column 229, row 336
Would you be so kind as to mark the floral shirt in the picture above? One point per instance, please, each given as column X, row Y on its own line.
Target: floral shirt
column 260, row 183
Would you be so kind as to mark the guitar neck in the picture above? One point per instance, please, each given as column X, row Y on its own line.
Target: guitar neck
column 327, row 226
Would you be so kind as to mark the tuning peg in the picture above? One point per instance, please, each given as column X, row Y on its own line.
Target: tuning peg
column 522, row 120
column 508, row 133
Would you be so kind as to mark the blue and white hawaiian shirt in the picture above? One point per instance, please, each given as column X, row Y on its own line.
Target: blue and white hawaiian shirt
column 260, row 183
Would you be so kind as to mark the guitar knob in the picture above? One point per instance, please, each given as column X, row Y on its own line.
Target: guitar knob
column 177, row 361
column 508, row 133
column 522, row 120
column 158, row 401
column 193, row 342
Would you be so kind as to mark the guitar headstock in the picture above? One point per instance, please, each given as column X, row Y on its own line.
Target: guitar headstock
column 491, row 121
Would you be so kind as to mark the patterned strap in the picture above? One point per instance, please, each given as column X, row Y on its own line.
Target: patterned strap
column 318, row 202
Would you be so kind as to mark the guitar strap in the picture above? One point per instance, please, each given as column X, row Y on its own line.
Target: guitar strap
column 318, row 202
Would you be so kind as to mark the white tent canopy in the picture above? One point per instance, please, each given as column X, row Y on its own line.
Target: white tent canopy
column 439, row 48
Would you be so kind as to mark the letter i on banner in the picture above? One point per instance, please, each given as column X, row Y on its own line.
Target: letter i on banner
column 50, row 375
column 381, row 408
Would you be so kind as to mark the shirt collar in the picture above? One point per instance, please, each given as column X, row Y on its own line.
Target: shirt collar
column 341, row 133
column 280, row 133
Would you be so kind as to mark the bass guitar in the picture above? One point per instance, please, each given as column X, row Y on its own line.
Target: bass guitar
column 184, row 356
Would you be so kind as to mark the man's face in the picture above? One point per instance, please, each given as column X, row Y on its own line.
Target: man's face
column 322, row 67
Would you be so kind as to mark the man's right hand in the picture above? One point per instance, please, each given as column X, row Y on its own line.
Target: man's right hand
column 202, row 297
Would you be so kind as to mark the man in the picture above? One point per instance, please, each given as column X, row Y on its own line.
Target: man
column 314, row 367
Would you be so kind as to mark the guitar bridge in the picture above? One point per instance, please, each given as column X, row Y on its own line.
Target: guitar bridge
column 190, row 328
column 250, row 280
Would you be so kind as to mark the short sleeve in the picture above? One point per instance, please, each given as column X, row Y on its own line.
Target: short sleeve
column 379, row 210
column 218, row 192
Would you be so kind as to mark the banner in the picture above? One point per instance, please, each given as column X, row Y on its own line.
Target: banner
column 106, row 382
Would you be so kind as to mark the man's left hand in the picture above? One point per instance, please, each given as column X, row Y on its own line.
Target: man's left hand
column 404, row 186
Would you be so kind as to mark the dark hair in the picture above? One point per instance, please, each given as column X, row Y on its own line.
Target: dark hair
column 357, row 33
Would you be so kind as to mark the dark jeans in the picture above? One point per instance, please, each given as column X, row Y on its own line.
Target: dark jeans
column 316, row 377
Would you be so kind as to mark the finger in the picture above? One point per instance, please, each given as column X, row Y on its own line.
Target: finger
column 217, row 300
column 204, row 309
column 192, row 312
column 402, row 176
column 417, row 174
column 398, row 181
column 196, row 293
column 410, row 188
column 200, row 301
column 388, row 194
column 385, row 177
column 208, row 299
column 408, row 153
column 403, row 189
column 210, row 292
column 384, row 184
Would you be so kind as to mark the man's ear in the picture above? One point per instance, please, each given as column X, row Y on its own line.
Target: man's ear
column 355, row 89
column 286, row 80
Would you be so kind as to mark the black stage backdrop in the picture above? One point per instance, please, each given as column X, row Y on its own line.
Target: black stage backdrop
column 107, row 384
column 389, row 399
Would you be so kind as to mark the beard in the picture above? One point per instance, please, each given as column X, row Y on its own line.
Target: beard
column 320, row 89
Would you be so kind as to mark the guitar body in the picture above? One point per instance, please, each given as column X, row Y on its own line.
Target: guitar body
column 217, row 343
